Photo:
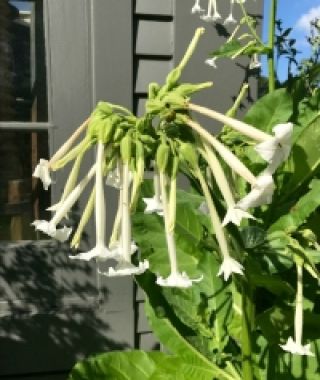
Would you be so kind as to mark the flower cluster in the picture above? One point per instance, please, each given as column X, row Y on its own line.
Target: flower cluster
column 212, row 14
column 168, row 140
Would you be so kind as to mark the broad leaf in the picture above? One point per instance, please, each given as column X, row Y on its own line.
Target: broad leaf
column 306, row 205
column 270, row 110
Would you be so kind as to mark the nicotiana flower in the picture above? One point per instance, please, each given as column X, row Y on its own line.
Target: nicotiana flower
column 235, row 215
column 42, row 172
column 208, row 16
column 254, row 62
column 197, row 7
column 125, row 268
column 100, row 251
column 260, row 194
column 276, row 149
column 211, row 62
column 50, row 228
column 229, row 266
column 114, row 178
column 295, row 345
column 124, row 248
column 297, row 348
column 230, row 19
column 154, row 205
column 177, row 280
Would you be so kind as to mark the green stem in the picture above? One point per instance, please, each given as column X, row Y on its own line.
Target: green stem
column 252, row 30
column 271, row 41
column 247, row 327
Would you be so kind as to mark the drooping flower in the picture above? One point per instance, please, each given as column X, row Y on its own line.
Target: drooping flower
column 50, row 228
column 42, row 172
column 114, row 178
column 297, row 348
column 177, row 280
column 197, row 7
column 125, row 268
column 235, row 215
column 216, row 15
column 154, row 205
column 100, row 251
column 254, row 62
column 276, row 149
column 230, row 19
column 260, row 194
column 208, row 16
column 211, row 62
column 229, row 266
column 124, row 248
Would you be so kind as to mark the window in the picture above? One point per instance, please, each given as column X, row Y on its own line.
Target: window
column 23, row 116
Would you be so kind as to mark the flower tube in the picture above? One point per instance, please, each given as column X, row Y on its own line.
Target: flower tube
column 197, row 7
column 229, row 265
column 295, row 346
column 234, row 213
column 230, row 19
column 124, row 248
column 50, row 228
column 154, row 204
column 175, row 278
column 100, row 251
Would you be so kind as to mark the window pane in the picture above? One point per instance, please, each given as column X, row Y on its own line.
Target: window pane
column 21, row 197
column 22, row 62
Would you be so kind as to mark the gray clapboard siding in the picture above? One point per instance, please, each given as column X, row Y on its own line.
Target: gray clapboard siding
column 154, row 38
column 154, row 7
column 151, row 70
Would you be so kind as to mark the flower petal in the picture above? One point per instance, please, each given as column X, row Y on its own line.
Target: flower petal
column 178, row 280
column 41, row 171
column 98, row 252
column 153, row 205
column 235, row 215
column 124, row 268
column 61, row 234
column 296, row 348
column 229, row 266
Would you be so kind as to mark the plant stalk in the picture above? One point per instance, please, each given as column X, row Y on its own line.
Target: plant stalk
column 271, row 41
column 247, row 327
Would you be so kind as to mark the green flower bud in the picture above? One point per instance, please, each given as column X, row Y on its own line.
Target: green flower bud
column 188, row 154
column 162, row 157
column 153, row 90
column 125, row 148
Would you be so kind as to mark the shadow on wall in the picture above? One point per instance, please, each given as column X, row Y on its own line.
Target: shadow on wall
column 51, row 311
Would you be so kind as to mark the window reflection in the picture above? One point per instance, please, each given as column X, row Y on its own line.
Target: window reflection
column 22, row 62
column 21, row 196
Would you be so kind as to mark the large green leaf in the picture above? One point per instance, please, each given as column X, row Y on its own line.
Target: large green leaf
column 271, row 109
column 304, row 159
column 306, row 205
column 138, row 365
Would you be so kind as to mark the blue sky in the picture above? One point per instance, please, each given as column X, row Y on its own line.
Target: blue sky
column 296, row 14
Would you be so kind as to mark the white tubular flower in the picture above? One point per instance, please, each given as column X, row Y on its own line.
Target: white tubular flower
column 211, row 62
column 154, row 204
column 42, row 172
column 125, row 268
column 276, row 149
column 216, row 15
column 124, row 248
column 235, row 216
column 50, row 228
column 260, row 194
column 100, row 251
column 114, row 178
column 230, row 19
column 208, row 17
column 197, row 7
column 296, row 349
column 254, row 62
column 177, row 280
column 295, row 346
column 229, row 266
